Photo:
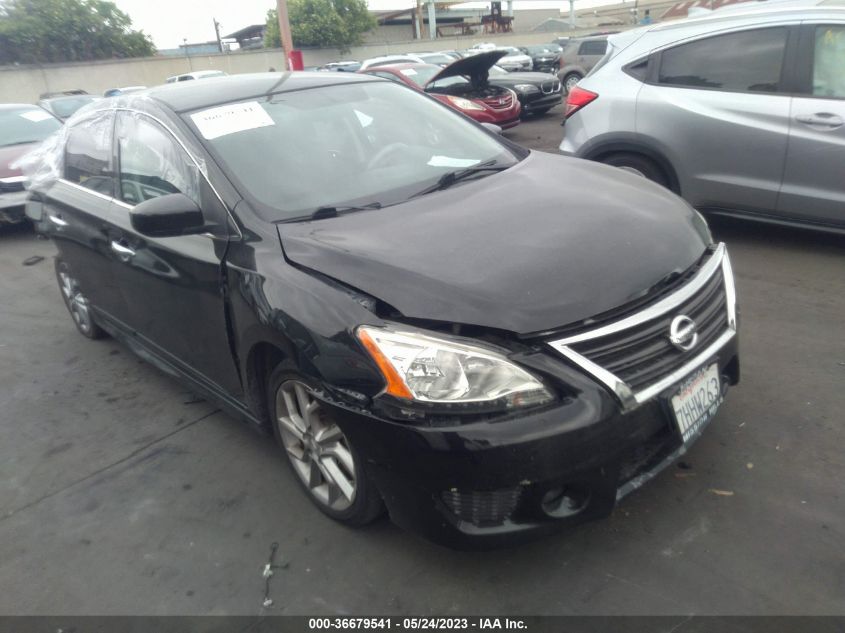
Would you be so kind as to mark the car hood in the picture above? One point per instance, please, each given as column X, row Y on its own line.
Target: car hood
column 9, row 155
column 475, row 66
column 549, row 242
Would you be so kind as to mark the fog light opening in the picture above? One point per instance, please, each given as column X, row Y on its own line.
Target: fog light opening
column 564, row 501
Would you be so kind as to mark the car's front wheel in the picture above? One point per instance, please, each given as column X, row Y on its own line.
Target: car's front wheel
column 320, row 455
column 570, row 81
column 77, row 303
column 638, row 164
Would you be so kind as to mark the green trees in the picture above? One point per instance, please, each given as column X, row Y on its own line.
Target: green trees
column 329, row 23
column 42, row 31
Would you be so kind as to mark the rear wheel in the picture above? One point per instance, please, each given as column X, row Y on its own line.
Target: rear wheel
column 324, row 461
column 638, row 164
column 570, row 81
column 76, row 303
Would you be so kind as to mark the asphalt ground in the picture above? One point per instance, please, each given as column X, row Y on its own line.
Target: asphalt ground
column 122, row 493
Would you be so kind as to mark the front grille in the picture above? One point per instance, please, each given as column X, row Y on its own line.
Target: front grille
column 485, row 508
column 499, row 103
column 549, row 87
column 11, row 187
column 631, row 353
column 643, row 354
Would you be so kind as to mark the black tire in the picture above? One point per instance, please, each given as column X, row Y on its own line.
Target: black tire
column 367, row 504
column 570, row 78
column 76, row 303
column 639, row 164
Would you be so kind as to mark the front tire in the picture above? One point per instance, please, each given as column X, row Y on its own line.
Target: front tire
column 76, row 303
column 321, row 457
column 570, row 81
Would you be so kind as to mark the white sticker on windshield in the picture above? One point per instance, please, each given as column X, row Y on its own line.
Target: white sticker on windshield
column 228, row 119
column 408, row 71
column 448, row 161
column 36, row 115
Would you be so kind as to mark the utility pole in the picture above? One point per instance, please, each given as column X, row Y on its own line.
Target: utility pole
column 217, row 33
column 284, row 29
column 572, row 14
column 419, row 21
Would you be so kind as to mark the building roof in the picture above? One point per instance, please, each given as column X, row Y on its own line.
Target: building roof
column 253, row 30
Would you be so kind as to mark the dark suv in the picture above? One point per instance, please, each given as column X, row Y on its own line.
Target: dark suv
column 396, row 293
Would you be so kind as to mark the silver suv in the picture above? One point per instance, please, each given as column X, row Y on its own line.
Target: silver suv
column 741, row 112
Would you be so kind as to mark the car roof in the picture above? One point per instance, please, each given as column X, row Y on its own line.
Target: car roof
column 757, row 10
column 191, row 95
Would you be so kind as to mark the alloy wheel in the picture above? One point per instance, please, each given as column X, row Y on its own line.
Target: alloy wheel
column 571, row 82
column 76, row 302
column 318, row 450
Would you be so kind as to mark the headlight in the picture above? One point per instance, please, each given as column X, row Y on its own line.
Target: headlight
column 431, row 369
column 464, row 104
column 526, row 88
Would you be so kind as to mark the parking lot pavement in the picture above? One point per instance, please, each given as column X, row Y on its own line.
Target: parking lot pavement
column 121, row 493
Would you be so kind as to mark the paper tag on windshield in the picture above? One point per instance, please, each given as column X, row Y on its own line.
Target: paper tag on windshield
column 409, row 72
column 228, row 119
column 36, row 115
column 448, row 161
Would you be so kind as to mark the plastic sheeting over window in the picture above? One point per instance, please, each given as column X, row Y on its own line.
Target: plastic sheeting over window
column 46, row 163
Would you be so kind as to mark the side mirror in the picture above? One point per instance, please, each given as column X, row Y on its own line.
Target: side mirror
column 168, row 216
column 492, row 127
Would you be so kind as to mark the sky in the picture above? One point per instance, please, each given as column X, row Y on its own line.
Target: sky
column 169, row 23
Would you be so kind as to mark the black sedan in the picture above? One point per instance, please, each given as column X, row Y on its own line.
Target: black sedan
column 402, row 297
column 537, row 92
column 546, row 57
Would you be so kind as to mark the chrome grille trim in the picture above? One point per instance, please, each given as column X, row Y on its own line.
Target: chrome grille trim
column 628, row 398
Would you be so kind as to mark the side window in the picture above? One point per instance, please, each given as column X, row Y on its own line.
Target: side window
column 593, row 47
column 88, row 154
column 746, row 61
column 152, row 163
column 829, row 62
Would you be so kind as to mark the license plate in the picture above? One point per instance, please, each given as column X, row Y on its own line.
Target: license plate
column 697, row 400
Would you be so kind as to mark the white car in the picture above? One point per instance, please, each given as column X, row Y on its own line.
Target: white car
column 199, row 74
column 515, row 60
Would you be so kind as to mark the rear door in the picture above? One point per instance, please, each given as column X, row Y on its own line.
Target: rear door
column 815, row 161
column 718, row 108
column 79, row 208
column 173, row 287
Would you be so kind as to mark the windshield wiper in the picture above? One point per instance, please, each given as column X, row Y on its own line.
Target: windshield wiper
column 450, row 178
column 332, row 211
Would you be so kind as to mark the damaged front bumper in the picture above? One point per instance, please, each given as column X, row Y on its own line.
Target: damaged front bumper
column 494, row 482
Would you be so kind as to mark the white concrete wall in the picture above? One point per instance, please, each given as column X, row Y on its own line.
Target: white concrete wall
column 23, row 84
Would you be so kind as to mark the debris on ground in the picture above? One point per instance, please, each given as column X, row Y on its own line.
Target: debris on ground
column 267, row 573
column 31, row 261
column 722, row 493
column 684, row 465
column 684, row 475
column 749, row 465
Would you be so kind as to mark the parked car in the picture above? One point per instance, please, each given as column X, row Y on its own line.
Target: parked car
column 741, row 112
column 578, row 57
column 22, row 127
column 345, row 66
column 387, row 60
column 64, row 106
column 463, row 85
column 537, row 92
column 543, row 58
column 435, row 332
column 515, row 60
column 62, row 93
column 561, row 41
column 198, row 74
column 113, row 92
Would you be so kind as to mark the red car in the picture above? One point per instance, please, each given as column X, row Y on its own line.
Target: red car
column 462, row 85
column 22, row 127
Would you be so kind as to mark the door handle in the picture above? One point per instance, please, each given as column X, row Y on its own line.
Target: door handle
column 824, row 119
column 122, row 250
column 57, row 220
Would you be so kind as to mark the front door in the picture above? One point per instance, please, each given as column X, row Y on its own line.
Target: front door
column 173, row 287
column 815, row 162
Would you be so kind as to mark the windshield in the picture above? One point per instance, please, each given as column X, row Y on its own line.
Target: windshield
column 343, row 145
column 26, row 125
column 421, row 75
column 66, row 106
column 538, row 50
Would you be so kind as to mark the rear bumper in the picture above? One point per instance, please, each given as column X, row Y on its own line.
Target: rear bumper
column 492, row 483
